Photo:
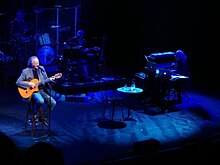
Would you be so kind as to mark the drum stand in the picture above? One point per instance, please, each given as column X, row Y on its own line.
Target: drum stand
column 57, row 7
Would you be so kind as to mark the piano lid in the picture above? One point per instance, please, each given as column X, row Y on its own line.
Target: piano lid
column 162, row 55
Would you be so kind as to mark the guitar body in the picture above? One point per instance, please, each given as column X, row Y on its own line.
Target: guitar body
column 26, row 93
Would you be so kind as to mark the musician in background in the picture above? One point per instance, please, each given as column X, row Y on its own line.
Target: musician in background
column 160, row 86
column 180, row 67
column 91, row 55
column 35, row 71
column 20, row 30
column 77, row 42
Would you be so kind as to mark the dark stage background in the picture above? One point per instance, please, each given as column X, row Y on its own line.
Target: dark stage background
column 136, row 28
column 132, row 29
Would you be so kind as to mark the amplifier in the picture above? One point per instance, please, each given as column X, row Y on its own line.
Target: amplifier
column 141, row 80
column 141, row 75
column 146, row 146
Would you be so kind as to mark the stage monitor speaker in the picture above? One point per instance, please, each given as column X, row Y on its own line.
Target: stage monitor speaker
column 146, row 146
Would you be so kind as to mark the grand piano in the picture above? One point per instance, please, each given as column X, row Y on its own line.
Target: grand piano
column 158, row 85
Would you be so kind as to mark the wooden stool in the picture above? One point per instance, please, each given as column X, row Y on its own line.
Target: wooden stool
column 33, row 119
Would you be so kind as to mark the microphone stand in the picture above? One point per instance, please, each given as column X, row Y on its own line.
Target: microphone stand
column 49, row 119
column 49, row 133
column 42, row 72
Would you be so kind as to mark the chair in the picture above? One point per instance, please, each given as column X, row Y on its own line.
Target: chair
column 113, row 101
column 31, row 118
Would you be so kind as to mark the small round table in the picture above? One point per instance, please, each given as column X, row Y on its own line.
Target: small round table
column 129, row 91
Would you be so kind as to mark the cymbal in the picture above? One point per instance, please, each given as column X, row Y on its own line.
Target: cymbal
column 54, row 26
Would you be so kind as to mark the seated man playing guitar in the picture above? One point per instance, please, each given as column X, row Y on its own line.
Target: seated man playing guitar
column 31, row 85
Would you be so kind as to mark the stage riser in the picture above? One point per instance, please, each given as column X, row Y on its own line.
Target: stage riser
column 74, row 88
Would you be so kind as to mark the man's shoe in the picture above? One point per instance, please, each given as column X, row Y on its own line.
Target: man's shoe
column 44, row 122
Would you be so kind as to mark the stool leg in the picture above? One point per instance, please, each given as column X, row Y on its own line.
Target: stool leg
column 32, row 119
column 27, row 114
column 106, row 103
column 113, row 109
column 122, row 112
column 41, row 118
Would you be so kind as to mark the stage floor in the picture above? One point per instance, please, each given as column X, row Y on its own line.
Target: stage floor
column 85, row 136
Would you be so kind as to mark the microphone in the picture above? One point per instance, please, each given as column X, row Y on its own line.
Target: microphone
column 75, row 37
column 42, row 70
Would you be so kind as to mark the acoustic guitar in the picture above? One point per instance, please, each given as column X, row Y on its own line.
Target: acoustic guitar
column 26, row 93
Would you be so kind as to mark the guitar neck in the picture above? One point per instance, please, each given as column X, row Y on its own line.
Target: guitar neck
column 58, row 75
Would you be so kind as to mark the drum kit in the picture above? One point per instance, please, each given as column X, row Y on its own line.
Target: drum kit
column 21, row 36
column 25, row 42
column 50, row 49
column 5, row 47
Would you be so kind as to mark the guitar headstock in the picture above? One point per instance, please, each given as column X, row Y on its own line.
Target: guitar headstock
column 58, row 75
column 96, row 48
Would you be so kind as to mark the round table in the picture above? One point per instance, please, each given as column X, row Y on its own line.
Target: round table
column 129, row 91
